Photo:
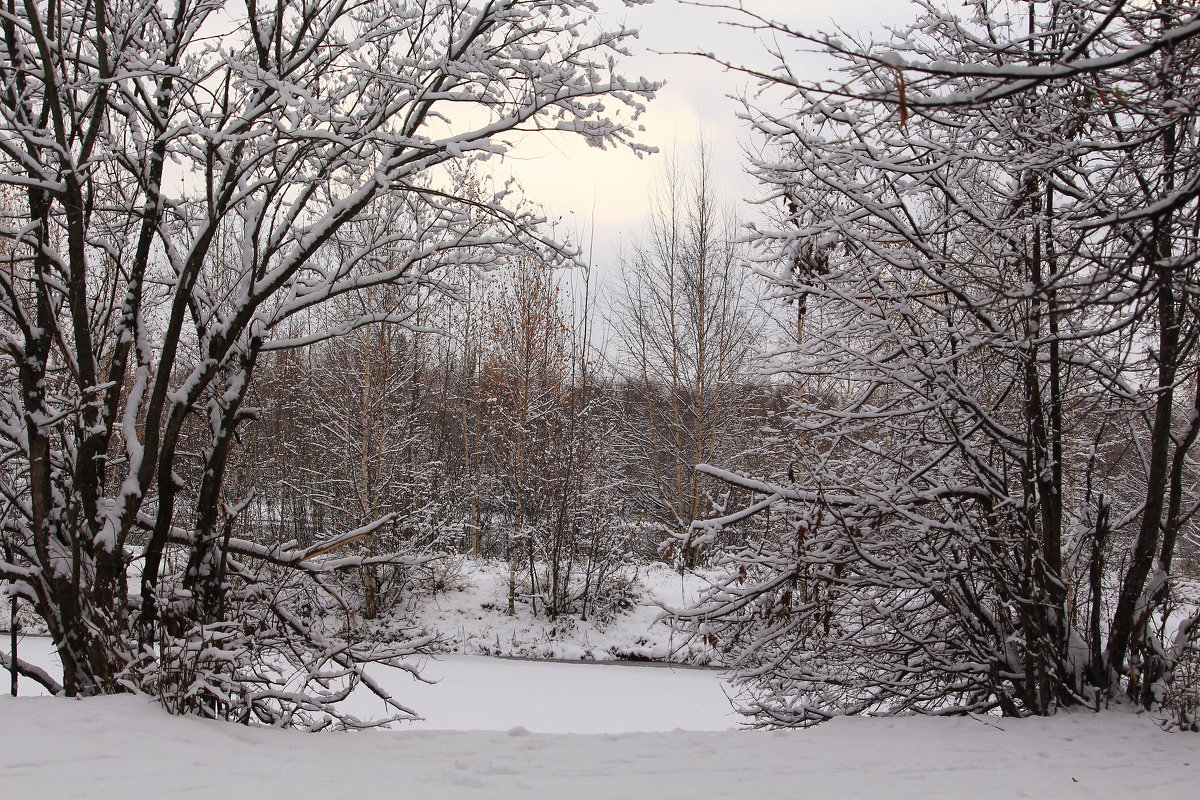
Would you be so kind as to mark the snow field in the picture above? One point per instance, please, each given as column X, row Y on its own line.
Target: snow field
column 126, row 748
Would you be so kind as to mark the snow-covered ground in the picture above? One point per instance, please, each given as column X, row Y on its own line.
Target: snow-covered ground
column 126, row 748
column 505, row 728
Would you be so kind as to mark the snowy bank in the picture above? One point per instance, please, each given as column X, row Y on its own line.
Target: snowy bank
column 469, row 617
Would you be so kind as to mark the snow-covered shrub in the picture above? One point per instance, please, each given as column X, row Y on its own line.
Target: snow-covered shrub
column 1181, row 698
column 616, row 595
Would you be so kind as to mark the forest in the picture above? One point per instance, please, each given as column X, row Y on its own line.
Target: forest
column 277, row 340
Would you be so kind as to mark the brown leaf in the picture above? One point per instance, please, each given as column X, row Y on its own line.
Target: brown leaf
column 902, row 90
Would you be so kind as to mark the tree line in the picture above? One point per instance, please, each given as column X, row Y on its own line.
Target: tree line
column 494, row 424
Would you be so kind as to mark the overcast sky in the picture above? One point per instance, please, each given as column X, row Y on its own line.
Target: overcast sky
column 569, row 179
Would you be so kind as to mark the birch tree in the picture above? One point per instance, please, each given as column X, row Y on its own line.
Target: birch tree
column 686, row 326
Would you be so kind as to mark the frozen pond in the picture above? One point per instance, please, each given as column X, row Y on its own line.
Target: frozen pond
column 498, row 694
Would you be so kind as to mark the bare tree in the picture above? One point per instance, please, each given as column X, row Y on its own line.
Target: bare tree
column 687, row 330
column 185, row 199
column 989, row 222
column 525, row 380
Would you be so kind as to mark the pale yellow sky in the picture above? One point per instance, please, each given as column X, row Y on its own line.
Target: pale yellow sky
column 570, row 179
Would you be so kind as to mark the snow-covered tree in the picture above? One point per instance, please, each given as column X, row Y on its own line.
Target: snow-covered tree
column 194, row 178
column 990, row 225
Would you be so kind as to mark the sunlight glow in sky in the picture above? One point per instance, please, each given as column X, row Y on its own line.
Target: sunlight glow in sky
column 570, row 179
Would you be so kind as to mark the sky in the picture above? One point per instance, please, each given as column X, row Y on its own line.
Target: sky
column 578, row 185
